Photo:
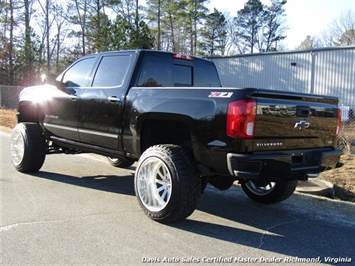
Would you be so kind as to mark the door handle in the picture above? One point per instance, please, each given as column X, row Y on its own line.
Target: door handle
column 73, row 97
column 114, row 99
column 303, row 111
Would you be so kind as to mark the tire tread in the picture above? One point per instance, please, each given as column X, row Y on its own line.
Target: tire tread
column 35, row 148
column 281, row 192
column 190, row 184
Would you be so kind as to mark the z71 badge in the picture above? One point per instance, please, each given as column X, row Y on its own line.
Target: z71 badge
column 220, row 95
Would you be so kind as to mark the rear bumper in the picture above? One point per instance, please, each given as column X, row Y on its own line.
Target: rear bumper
column 282, row 165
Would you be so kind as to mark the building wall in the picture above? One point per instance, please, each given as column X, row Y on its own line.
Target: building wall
column 334, row 74
column 321, row 71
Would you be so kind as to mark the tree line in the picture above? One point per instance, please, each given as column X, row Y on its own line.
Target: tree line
column 44, row 36
column 340, row 32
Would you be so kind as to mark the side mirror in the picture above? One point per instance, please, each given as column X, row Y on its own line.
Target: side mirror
column 51, row 80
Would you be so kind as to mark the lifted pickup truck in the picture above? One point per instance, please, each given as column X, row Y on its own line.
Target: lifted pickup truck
column 169, row 112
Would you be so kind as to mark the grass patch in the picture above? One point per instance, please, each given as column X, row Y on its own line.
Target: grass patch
column 8, row 118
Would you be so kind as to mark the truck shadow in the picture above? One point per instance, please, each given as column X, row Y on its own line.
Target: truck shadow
column 110, row 183
column 280, row 229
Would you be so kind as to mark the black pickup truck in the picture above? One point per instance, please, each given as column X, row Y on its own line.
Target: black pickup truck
column 169, row 112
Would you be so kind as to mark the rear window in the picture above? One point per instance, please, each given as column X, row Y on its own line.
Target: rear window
column 169, row 72
column 182, row 76
column 205, row 75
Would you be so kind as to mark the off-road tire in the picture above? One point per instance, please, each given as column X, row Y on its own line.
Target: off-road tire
column 272, row 192
column 167, row 183
column 27, row 147
column 120, row 162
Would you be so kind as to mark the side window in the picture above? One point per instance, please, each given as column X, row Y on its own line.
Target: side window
column 156, row 72
column 78, row 74
column 112, row 71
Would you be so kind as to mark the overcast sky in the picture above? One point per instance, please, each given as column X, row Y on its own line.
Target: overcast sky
column 304, row 17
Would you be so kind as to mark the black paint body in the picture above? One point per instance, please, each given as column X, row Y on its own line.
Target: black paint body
column 147, row 104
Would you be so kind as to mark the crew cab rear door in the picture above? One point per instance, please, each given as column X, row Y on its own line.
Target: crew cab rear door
column 101, row 104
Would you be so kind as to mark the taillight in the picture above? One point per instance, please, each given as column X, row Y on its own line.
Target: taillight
column 241, row 119
column 337, row 132
column 183, row 56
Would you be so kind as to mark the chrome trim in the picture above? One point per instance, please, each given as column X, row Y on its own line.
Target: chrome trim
column 60, row 127
column 229, row 164
column 98, row 133
column 84, row 131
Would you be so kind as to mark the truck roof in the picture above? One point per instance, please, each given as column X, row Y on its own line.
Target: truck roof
column 149, row 51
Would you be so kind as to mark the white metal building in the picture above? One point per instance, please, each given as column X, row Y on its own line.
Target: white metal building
column 328, row 71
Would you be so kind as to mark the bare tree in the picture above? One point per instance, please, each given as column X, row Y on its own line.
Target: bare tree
column 61, row 28
column 11, row 43
column 309, row 43
column 9, row 23
column 80, row 18
column 46, row 28
column 235, row 44
column 340, row 32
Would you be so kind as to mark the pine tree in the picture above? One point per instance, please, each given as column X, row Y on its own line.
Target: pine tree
column 195, row 14
column 248, row 23
column 129, row 31
column 10, row 22
column 141, row 37
column 79, row 17
column 347, row 39
column 214, row 34
column 168, row 23
column 154, row 14
column 272, row 29
column 259, row 27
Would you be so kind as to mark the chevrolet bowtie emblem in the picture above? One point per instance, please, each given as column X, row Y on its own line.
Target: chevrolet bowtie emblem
column 302, row 124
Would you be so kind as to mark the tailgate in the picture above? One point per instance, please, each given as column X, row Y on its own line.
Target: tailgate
column 294, row 121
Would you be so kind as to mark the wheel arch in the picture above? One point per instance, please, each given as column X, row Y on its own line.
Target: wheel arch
column 29, row 111
column 175, row 129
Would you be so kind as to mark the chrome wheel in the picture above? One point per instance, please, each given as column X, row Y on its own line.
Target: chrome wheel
column 154, row 184
column 113, row 160
column 260, row 190
column 27, row 147
column 271, row 192
column 166, row 183
column 17, row 148
column 120, row 162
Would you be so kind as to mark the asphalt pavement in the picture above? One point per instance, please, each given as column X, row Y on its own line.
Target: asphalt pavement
column 80, row 210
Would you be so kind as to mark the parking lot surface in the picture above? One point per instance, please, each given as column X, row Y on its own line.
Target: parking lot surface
column 80, row 210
